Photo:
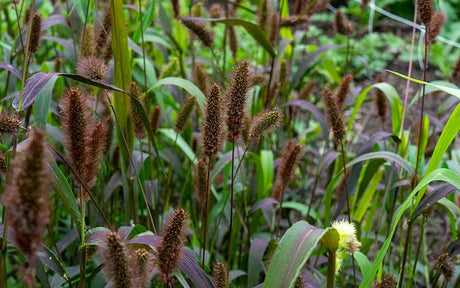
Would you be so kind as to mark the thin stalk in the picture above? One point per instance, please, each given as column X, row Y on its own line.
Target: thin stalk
column 205, row 212
column 224, row 44
column 406, row 248
column 348, row 52
column 272, row 67
column 82, row 244
column 417, row 252
column 229, row 258
column 143, row 45
column 168, row 194
column 330, row 278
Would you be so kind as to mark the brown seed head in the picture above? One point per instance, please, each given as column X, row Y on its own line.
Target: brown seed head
column 35, row 33
column 456, row 71
column 341, row 24
column 87, row 42
column 307, row 89
column 103, row 33
column 136, row 92
column 96, row 143
column 236, row 99
column 425, row 11
column 286, row 168
column 176, row 7
column 155, row 118
column 200, row 78
column 262, row 14
column 436, row 23
column 8, row 124
column 264, row 122
column 380, row 101
column 343, row 90
column 283, row 73
column 364, row 4
column 293, row 20
column 116, row 265
column 444, row 266
column 184, row 114
column 200, row 179
column 27, row 195
column 141, row 264
column 219, row 274
column 198, row 28
column 333, row 115
column 171, row 247
column 212, row 127
column 388, row 281
column 233, row 40
column 274, row 28
column 216, row 11
column 108, row 49
column 93, row 68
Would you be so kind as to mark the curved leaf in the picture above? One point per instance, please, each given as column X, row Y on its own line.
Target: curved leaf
column 194, row 272
column 256, row 253
column 9, row 67
column 316, row 113
column 389, row 156
column 432, row 199
column 172, row 135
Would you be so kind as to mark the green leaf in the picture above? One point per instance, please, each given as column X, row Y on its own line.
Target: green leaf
column 267, row 163
column 42, row 104
column 293, row 251
column 366, row 198
column 185, row 84
column 62, row 188
column 147, row 19
column 171, row 134
column 363, row 263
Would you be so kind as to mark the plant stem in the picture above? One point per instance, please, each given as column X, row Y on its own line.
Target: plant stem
column 330, row 278
column 205, row 212
column 231, row 213
column 82, row 244
column 417, row 252
column 403, row 264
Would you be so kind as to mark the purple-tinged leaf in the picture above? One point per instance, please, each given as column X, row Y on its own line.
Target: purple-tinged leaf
column 97, row 236
column 222, row 162
column 10, row 236
column 66, row 240
column 9, row 67
column 48, row 258
column 265, row 203
column 66, row 43
column 52, row 21
column 316, row 113
column 235, row 274
column 124, row 232
column 329, row 158
column 374, row 138
column 151, row 240
column 194, row 272
column 256, row 253
column 431, row 199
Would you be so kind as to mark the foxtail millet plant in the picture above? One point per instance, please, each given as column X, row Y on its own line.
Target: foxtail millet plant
column 343, row 90
column 380, row 100
column 141, row 264
column 219, row 274
column 8, row 124
column 183, row 116
column 136, row 92
column 93, row 68
column 198, row 28
column 35, row 33
column 103, row 33
column 435, row 26
column 264, row 122
column 87, row 47
column 155, row 118
column 116, row 262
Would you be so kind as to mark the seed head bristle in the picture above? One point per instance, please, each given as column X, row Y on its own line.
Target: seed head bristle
column 155, row 118
column 87, row 47
column 233, row 40
column 200, row 78
column 436, row 23
column 35, row 33
column 444, row 266
column 96, row 144
column 184, row 114
column 198, row 28
column 283, row 73
column 333, row 115
column 116, row 265
column 136, row 92
column 108, row 49
column 27, row 195
column 8, row 124
column 75, row 120
column 285, row 170
column 274, row 28
column 216, row 11
column 307, row 89
column 219, row 274
column 93, row 68
column 212, row 127
column 264, row 122
column 170, row 249
column 425, row 11
column 197, row 9
column 103, row 33
column 388, row 281
column 263, row 14
column 381, row 103
column 141, row 263
column 343, row 90
column 236, row 99
column 170, row 69
column 200, row 180
column 294, row 20
column 341, row 24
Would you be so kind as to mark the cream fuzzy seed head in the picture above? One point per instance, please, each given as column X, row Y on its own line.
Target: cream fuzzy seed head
column 347, row 232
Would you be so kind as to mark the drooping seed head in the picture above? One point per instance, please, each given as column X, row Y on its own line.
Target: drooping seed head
column 93, row 68
column 236, row 99
column 264, row 122
column 285, row 171
column 219, row 274
column 87, row 47
column 184, row 114
column 200, row 181
column 35, row 33
column 343, row 90
column 444, row 266
column 171, row 247
column 212, row 127
column 27, row 195
column 425, row 11
column 333, row 115
column 436, row 23
column 380, row 101
column 198, row 28
column 155, row 118
column 8, row 124
column 116, row 265
column 136, row 92
column 341, row 24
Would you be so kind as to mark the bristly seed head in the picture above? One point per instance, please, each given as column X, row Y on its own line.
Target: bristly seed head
column 8, row 124
column 176, row 7
column 425, row 11
column 286, row 168
column 87, row 47
column 200, row 181
column 212, row 127
column 219, row 274
column 171, row 247
column 263, row 14
column 333, row 115
column 103, row 33
column 198, row 28
column 184, row 114
column 341, row 24
column 35, row 33
column 200, row 78
column 93, row 68
column 236, row 99
column 136, row 92
column 381, row 100
column 388, row 281
column 343, row 90
column 264, row 122
column 216, row 11
column 444, row 266
column 155, row 118
column 116, row 262
column 436, row 23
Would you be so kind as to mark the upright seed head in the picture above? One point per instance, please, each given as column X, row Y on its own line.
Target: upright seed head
column 264, row 122
column 233, row 40
column 35, row 33
column 93, row 68
column 341, row 24
column 388, row 281
column 198, row 28
column 456, row 71
column 103, row 33
column 27, row 195
column 380, row 100
column 155, row 118
column 283, row 73
column 274, row 28
column 75, row 120
column 307, row 89
column 216, row 11
column 246, row 128
column 444, row 266
column 197, row 9
column 108, row 49
column 170, row 249
column 8, row 124
column 236, row 99
column 136, row 92
column 435, row 26
column 334, row 117
column 87, row 47
column 219, row 274
column 96, row 143
column 115, row 259
column 200, row 78
column 141, row 263
column 343, row 90
column 200, row 180
column 212, row 127
column 286, row 168
column 184, row 114
column 425, row 11
column 263, row 14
